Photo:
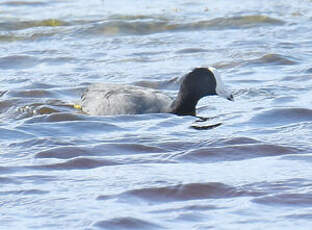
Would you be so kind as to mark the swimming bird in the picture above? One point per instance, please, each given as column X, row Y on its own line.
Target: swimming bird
column 113, row 99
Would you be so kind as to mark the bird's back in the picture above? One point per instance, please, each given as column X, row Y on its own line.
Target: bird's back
column 113, row 99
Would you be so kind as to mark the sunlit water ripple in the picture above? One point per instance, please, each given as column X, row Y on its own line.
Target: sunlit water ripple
column 62, row 169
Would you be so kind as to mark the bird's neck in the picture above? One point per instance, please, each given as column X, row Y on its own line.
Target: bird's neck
column 184, row 105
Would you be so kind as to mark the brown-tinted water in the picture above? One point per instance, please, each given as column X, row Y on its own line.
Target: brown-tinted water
column 62, row 169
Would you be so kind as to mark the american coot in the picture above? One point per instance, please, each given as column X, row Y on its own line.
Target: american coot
column 113, row 99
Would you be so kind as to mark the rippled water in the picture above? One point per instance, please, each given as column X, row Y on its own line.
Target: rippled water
column 62, row 169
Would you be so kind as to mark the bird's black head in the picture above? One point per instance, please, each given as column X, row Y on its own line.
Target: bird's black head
column 199, row 83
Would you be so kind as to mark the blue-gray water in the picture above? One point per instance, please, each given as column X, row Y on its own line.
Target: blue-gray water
column 61, row 169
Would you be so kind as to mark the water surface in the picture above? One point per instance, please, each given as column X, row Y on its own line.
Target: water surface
column 62, row 169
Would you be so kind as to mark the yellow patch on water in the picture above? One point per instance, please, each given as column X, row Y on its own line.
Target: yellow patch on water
column 112, row 30
column 257, row 18
column 76, row 106
column 51, row 22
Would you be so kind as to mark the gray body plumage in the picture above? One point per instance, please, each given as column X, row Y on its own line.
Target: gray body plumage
column 113, row 99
